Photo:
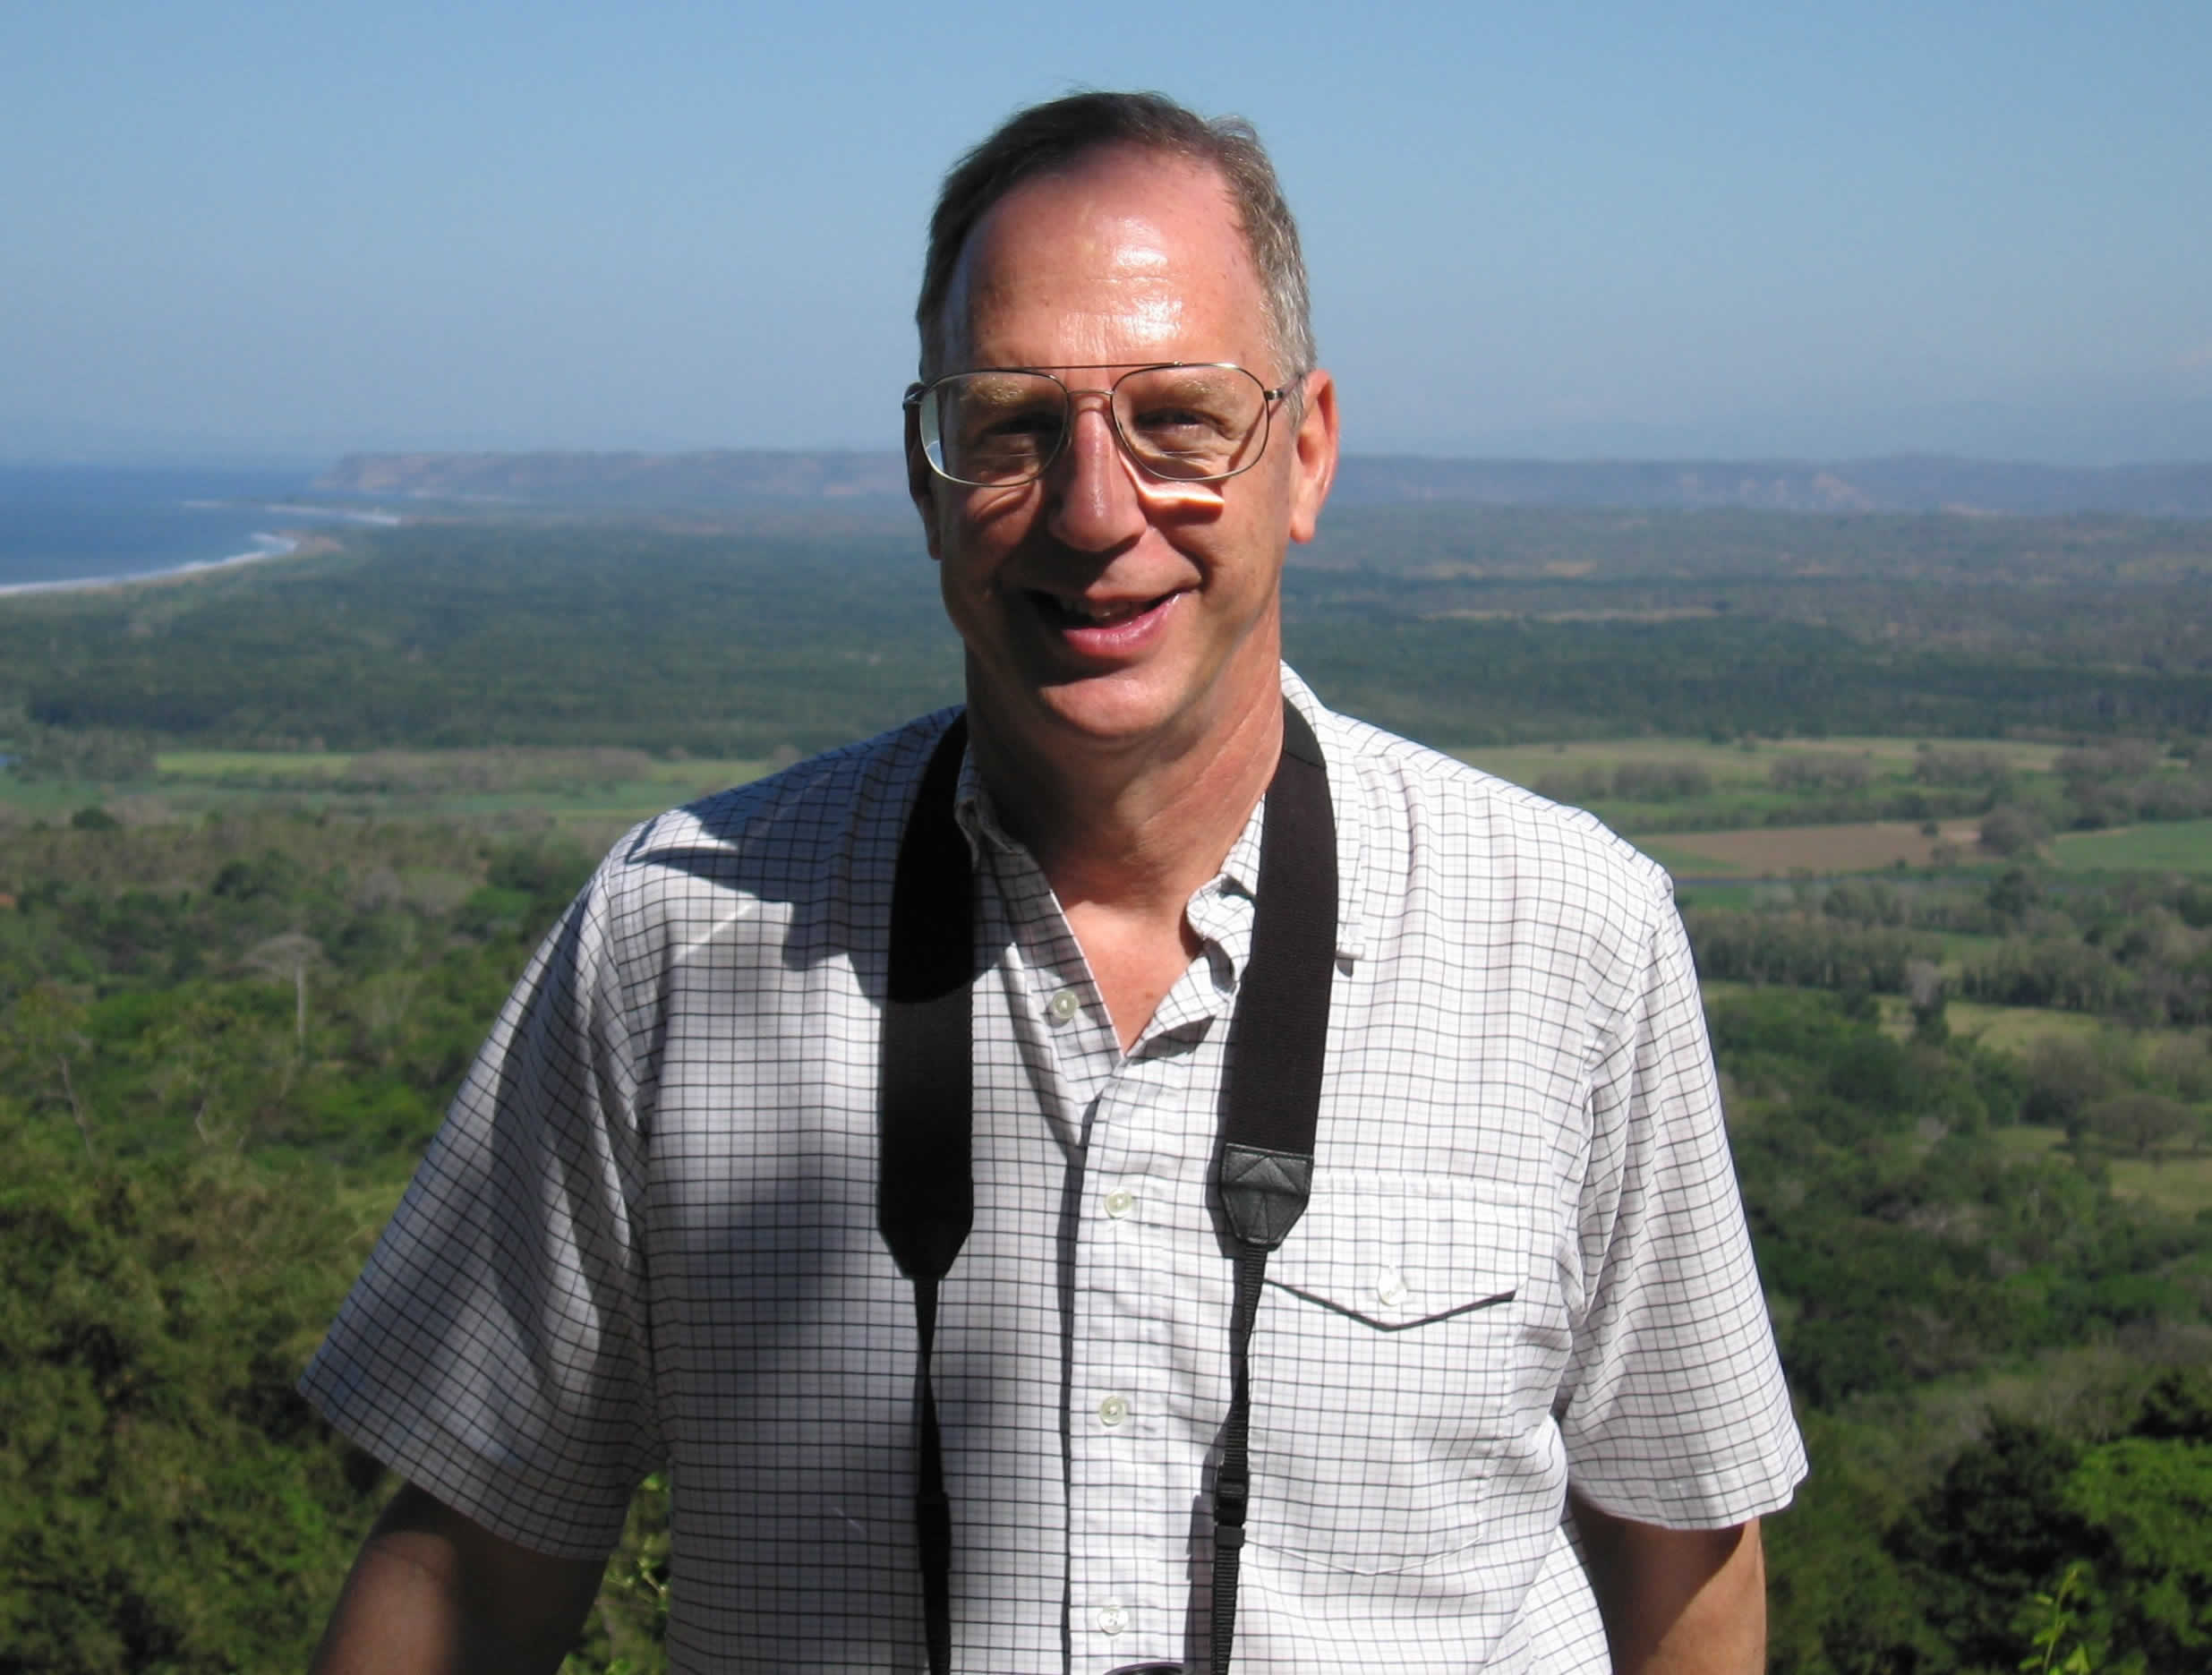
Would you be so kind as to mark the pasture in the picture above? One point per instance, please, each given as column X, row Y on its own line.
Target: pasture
column 1782, row 851
column 2014, row 1029
column 2178, row 1183
column 595, row 792
column 1744, row 763
column 2180, row 846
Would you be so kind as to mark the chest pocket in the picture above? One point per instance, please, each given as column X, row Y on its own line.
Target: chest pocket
column 1390, row 1371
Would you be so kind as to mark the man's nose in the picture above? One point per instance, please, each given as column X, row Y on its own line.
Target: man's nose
column 1093, row 503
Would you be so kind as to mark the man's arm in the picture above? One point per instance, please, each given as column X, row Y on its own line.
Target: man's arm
column 1678, row 1601
column 432, row 1592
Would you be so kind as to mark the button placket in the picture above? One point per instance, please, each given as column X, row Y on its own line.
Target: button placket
column 1126, row 1552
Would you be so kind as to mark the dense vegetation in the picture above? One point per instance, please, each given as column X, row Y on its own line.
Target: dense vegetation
column 2139, row 948
column 228, row 1021
column 222, row 1046
column 1468, row 627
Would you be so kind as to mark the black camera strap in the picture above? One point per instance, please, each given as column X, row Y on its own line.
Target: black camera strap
column 1263, row 1165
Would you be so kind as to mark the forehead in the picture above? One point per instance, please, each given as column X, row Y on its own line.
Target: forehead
column 1120, row 255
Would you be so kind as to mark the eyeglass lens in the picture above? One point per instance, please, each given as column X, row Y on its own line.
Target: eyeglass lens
column 1190, row 424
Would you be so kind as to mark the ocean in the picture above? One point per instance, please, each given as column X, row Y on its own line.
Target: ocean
column 86, row 523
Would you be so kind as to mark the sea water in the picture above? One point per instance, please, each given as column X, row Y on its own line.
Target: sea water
column 81, row 524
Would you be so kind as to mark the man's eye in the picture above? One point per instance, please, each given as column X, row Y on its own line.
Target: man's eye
column 1004, row 430
column 1035, row 422
column 1177, row 424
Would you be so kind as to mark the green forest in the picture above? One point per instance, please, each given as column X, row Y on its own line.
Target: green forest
column 1472, row 627
column 273, row 844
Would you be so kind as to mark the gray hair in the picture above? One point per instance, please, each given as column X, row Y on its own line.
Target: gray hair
column 1050, row 136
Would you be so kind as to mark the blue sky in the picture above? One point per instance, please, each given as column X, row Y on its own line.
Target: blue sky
column 1566, row 230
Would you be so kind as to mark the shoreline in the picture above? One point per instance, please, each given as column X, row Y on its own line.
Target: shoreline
column 281, row 542
column 278, row 544
column 283, row 545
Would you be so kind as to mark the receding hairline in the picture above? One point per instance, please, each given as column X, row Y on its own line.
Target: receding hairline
column 1047, row 138
column 953, row 317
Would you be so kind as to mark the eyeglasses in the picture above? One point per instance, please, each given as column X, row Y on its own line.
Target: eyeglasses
column 1000, row 427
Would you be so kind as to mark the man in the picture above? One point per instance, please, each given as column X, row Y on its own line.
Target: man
column 1513, row 1400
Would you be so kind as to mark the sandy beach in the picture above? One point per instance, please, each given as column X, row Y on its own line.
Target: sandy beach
column 271, row 546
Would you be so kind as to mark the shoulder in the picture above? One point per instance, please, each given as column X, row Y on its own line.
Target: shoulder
column 796, row 843
column 1433, row 832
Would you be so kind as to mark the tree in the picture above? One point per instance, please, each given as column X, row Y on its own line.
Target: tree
column 2012, row 830
column 2065, row 1077
column 292, row 955
column 1995, row 1531
column 2150, row 1503
column 1924, row 988
column 2142, row 1123
column 2182, row 1064
column 166, row 1501
column 47, row 1041
column 1820, row 770
column 2013, row 893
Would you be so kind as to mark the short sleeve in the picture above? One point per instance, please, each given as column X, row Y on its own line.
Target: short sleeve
column 495, row 1350
column 1674, row 1408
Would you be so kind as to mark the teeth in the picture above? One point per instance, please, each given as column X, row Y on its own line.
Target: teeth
column 1112, row 610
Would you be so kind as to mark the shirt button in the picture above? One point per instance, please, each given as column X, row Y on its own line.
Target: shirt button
column 1111, row 1618
column 1120, row 1202
column 1113, row 1411
column 1062, row 1006
column 1391, row 1288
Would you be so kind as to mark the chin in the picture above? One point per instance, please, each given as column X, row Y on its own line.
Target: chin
column 1115, row 719
column 1127, row 708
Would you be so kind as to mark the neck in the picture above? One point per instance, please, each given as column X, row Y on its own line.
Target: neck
column 1133, row 827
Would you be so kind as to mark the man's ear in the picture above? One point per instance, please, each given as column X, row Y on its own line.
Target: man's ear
column 921, row 481
column 1313, row 461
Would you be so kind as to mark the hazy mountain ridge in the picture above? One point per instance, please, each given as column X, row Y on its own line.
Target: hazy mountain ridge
column 725, row 477
column 1905, row 483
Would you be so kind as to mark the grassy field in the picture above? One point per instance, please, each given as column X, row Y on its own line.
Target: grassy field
column 604, row 789
column 1770, row 808
column 593, row 790
column 1684, row 864
column 2180, row 1183
column 2024, row 1141
column 1740, row 765
column 1718, row 895
column 1780, row 851
column 2182, row 846
column 2013, row 1028
column 221, row 764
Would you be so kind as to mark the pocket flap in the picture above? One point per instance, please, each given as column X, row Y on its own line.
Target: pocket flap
column 1397, row 1252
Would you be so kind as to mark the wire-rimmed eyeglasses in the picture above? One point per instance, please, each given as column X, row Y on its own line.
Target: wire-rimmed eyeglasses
column 1187, row 421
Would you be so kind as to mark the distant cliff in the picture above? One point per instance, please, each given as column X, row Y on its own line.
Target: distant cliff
column 741, row 478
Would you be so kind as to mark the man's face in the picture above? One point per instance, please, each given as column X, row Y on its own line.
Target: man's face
column 1100, row 606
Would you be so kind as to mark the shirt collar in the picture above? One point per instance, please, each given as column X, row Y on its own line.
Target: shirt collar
column 976, row 813
column 1239, row 876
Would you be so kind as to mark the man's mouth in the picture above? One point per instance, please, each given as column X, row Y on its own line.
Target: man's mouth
column 1063, row 612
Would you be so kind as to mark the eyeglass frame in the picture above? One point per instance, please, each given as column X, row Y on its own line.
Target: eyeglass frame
column 911, row 402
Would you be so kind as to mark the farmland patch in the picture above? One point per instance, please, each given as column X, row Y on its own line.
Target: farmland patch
column 1780, row 851
column 2181, row 846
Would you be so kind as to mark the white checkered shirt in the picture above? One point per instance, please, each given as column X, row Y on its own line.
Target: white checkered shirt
column 647, row 1236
